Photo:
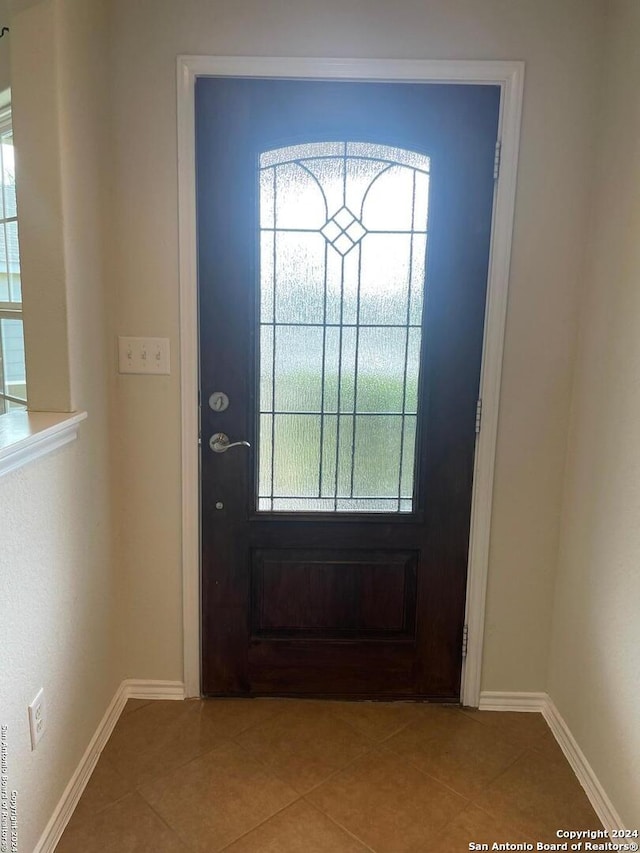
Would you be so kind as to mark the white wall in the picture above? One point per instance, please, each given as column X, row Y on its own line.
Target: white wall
column 595, row 650
column 559, row 39
column 55, row 526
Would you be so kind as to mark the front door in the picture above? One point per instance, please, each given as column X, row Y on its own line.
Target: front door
column 343, row 246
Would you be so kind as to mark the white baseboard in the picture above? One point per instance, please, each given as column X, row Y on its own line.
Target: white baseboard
column 598, row 798
column 542, row 703
column 129, row 689
column 137, row 689
column 494, row 701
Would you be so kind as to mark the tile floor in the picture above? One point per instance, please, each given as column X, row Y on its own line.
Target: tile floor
column 289, row 776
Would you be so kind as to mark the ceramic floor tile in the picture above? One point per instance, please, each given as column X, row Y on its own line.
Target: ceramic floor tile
column 538, row 795
column 475, row 825
column 105, row 787
column 229, row 717
column 434, row 721
column 377, row 720
column 466, row 756
column 305, row 744
column 550, row 747
column 215, row 799
column 134, row 705
column 159, row 737
column 522, row 728
column 128, row 826
column 387, row 803
column 389, row 777
column 300, row 828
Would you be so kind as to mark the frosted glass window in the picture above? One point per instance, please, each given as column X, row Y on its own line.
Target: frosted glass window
column 343, row 241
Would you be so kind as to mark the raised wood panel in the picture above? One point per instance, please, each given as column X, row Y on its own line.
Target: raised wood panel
column 333, row 594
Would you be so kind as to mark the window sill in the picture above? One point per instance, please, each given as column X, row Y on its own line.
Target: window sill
column 25, row 436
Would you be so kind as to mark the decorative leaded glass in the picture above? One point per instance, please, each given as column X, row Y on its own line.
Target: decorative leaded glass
column 343, row 236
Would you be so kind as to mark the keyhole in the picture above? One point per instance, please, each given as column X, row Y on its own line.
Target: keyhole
column 218, row 401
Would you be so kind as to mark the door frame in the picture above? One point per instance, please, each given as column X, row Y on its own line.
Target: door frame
column 509, row 76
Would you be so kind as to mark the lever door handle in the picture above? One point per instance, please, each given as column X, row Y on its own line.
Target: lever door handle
column 219, row 443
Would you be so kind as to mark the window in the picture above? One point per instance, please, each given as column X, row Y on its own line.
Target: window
column 342, row 273
column 13, row 388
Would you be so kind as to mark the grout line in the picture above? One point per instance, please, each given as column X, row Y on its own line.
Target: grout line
column 430, row 776
column 363, row 734
column 148, row 778
column 411, row 761
column 224, row 739
column 94, row 813
column 508, row 822
column 276, row 702
column 281, row 778
column 173, row 831
column 475, row 715
column 467, row 802
column 339, row 825
column 262, row 822
column 427, row 738
column 368, row 751
column 442, row 835
column 249, row 755
column 132, row 793
column 368, row 748
column 102, row 757
column 499, row 776
column 126, row 713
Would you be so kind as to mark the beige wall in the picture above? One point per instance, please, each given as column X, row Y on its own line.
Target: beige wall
column 57, row 584
column 5, row 50
column 595, row 650
column 559, row 41
column 39, row 196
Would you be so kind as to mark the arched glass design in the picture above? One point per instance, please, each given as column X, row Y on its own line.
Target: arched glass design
column 343, row 235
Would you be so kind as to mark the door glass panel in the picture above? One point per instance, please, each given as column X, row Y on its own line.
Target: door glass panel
column 343, row 240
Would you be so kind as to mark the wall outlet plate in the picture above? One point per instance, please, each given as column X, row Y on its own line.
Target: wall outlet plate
column 144, row 355
column 37, row 718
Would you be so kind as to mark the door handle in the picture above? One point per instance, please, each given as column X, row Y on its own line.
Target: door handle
column 219, row 443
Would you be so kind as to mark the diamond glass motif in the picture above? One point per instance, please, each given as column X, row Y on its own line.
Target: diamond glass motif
column 343, row 231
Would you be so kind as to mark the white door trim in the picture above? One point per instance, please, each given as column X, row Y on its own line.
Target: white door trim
column 510, row 77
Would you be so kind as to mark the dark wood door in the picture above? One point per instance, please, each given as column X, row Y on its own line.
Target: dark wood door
column 343, row 246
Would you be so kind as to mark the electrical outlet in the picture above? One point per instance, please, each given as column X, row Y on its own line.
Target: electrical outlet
column 144, row 355
column 37, row 718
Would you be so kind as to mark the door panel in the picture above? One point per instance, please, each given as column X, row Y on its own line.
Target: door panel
column 343, row 243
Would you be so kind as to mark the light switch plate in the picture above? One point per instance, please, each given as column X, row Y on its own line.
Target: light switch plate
column 144, row 355
column 37, row 718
